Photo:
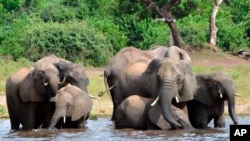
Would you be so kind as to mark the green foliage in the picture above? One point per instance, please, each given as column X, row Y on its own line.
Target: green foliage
column 11, row 5
column 59, row 13
column 190, row 29
column 10, row 37
column 84, row 27
column 74, row 41
column 107, row 26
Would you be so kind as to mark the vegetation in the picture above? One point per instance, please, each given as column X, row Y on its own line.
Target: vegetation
column 92, row 31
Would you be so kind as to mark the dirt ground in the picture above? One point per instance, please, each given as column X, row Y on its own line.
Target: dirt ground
column 199, row 58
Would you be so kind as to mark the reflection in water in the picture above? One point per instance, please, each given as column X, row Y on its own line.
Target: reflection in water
column 103, row 129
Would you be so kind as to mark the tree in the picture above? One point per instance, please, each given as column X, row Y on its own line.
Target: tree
column 162, row 9
column 212, row 27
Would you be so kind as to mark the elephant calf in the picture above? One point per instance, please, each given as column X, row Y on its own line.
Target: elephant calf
column 136, row 112
column 74, row 105
column 208, row 103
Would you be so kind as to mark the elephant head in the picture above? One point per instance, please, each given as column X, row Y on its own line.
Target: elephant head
column 72, row 102
column 156, row 118
column 40, row 84
column 136, row 112
column 178, row 54
column 171, row 80
column 73, row 74
column 214, row 88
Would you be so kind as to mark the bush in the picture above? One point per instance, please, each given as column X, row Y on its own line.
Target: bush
column 74, row 41
column 10, row 37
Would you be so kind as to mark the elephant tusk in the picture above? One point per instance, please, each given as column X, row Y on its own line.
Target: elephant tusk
column 154, row 102
column 64, row 119
column 46, row 83
column 64, row 79
column 93, row 97
column 220, row 93
column 177, row 100
column 237, row 94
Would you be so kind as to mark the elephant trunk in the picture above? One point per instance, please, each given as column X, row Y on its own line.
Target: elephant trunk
column 83, row 86
column 59, row 112
column 231, row 106
column 166, row 94
column 53, row 84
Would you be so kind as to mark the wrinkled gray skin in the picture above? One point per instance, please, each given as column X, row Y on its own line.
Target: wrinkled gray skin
column 136, row 112
column 27, row 94
column 129, row 54
column 167, row 78
column 72, row 103
column 208, row 104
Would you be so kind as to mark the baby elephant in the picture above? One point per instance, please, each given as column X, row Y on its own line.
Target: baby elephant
column 208, row 103
column 136, row 112
column 74, row 105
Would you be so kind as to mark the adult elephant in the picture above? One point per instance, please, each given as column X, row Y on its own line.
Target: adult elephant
column 74, row 105
column 68, row 72
column 27, row 94
column 136, row 112
column 129, row 54
column 168, row 79
column 208, row 103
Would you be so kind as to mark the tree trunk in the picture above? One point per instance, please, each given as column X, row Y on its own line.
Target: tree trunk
column 175, row 34
column 164, row 12
column 213, row 28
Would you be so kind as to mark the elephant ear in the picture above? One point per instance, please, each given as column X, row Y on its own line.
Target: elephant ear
column 62, row 66
column 155, row 116
column 189, row 82
column 202, row 94
column 28, row 92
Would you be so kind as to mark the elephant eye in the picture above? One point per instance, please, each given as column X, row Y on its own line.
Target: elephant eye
column 178, row 79
column 68, row 106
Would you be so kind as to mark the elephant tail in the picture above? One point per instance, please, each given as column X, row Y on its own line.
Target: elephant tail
column 106, row 75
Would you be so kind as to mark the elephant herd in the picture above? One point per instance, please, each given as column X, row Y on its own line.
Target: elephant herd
column 157, row 89
column 42, row 95
column 150, row 89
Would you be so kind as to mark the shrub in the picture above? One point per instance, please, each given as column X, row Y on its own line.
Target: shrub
column 74, row 41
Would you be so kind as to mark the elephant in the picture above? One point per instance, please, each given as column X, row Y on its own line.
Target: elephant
column 208, row 103
column 129, row 54
column 73, row 104
column 28, row 94
column 68, row 72
column 172, row 81
column 136, row 112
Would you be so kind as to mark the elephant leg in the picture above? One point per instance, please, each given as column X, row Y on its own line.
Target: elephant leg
column 43, row 115
column 219, row 122
column 14, row 121
column 28, row 115
column 197, row 114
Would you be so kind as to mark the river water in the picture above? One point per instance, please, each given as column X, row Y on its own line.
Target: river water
column 103, row 129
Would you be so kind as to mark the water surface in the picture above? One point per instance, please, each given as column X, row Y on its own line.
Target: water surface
column 103, row 129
